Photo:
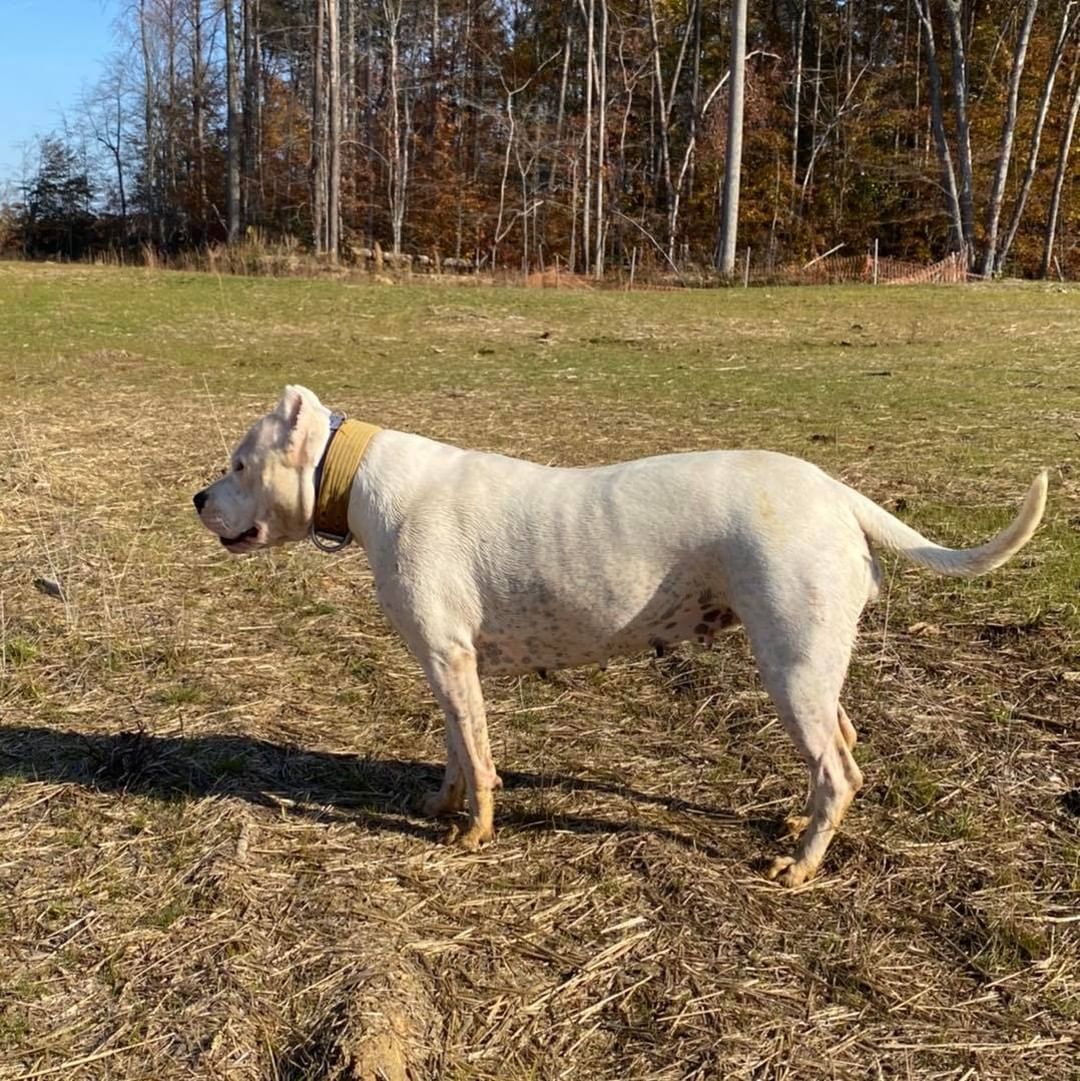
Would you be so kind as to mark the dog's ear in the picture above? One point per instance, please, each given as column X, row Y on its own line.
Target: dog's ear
column 297, row 409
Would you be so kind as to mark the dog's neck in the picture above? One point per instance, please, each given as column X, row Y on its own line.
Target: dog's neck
column 346, row 443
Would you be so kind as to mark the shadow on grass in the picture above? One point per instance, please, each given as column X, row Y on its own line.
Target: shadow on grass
column 378, row 793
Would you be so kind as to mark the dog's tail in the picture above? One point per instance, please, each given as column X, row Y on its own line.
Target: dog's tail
column 880, row 526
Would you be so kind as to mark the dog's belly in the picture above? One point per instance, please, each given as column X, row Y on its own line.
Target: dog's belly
column 544, row 634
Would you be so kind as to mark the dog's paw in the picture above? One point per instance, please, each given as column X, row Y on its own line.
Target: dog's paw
column 441, row 804
column 795, row 824
column 469, row 839
column 790, row 872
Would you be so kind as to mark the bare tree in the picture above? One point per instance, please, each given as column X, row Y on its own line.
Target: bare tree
column 1059, row 177
column 997, row 188
column 665, row 102
column 1069, row 19
column 251, row 135
column 318, row 131
column 512, row 149
column 688, row 153
column 333, row 194
column 398, row 157
column 197, row 61
column 729, row 223
column 104, row 114
column 937, row 121
column 601, row 143
column 590, row 24
column 800, row 39
column 954, row 11
column 232, row 79
column 150, row 94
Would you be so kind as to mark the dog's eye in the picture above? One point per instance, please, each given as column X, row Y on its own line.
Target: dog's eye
column 239, row 467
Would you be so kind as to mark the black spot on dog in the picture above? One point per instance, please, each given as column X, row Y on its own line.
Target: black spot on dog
column 703, row 629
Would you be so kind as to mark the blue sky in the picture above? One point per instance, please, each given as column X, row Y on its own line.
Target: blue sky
column 48, row 50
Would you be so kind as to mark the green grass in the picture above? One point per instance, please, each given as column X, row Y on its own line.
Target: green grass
column 208, row 766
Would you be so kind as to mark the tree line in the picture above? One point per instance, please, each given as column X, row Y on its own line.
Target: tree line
column 580, row 132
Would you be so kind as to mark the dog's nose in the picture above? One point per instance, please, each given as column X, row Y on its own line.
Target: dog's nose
column 199, row 499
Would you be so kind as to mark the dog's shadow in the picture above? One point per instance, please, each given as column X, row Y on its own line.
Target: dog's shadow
column 378, row 793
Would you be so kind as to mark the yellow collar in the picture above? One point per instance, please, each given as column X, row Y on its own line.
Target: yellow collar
column 334, row 475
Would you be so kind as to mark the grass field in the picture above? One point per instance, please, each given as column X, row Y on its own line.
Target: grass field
column 209, row 864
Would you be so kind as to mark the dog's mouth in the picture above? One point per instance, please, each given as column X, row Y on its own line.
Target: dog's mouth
column 241, row 541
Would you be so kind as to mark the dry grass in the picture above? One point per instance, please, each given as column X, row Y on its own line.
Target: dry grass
column 209, row 864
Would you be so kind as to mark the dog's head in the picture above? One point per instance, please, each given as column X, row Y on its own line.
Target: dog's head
column 267, row 495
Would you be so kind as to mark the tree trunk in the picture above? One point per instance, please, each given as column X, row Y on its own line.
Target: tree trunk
column 149, row 102
column 349, row 125
column 119, row 163
column 560, row 116
column 1065, row 32
column 800, row 35
column 601, row 165
column 251, row 157
column 586, row 222
column 937, row 118
column 198, row 114
column 1059, row 179
column 398, row 156
column 695, row 89
column 729, row 217
column 333, row 91
column 954, row 12
column 318, row 133
column 170, row 117
column 232, row 184
column 997, row 189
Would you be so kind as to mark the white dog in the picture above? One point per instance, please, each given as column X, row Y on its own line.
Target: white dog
column 488, row 564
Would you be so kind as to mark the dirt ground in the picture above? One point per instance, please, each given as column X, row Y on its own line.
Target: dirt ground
column 210, row 862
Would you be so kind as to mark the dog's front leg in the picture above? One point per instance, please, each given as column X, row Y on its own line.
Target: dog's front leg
column 453, row 677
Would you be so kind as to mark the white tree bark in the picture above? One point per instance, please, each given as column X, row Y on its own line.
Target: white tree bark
column 318, row 131
column 733, row 165
column 937, row 121
column 954, row 17
column 1059, row 180
column 800, row 37
column 398, row 158
column 997, row 188
column 149, row 129
column 232, row 78
column 333, row 93
column 601, row 137
column 586, row 220
column 1069, row 19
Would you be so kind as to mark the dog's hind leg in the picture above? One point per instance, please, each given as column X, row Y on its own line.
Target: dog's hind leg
column 834, row 779
column 803, row 664
column 454, row 680
column 847, row 729
column 450, row 797
column 845, row 734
